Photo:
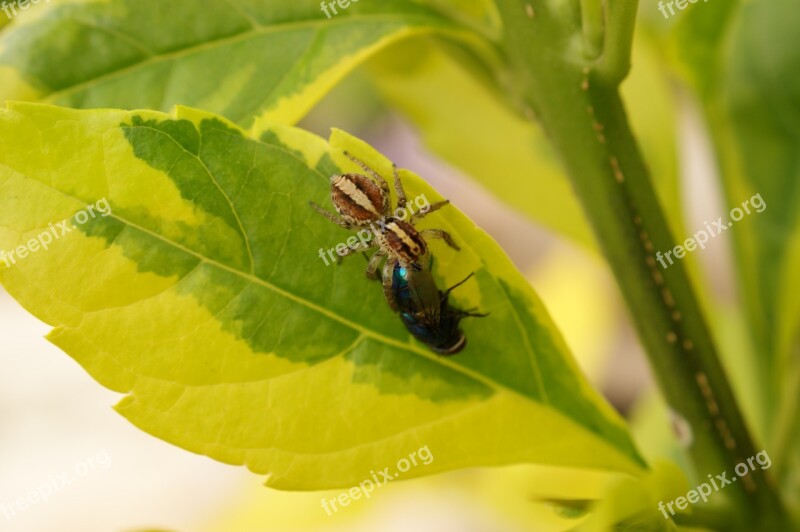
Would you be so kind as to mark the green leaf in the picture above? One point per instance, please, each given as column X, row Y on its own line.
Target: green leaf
column 697, row 44
column 240, row 58
column 479, row 14
column 747, row 72
column 631, row 504
column 203, row 299
column 467, row 123
column 761, row 92
column 4, row 21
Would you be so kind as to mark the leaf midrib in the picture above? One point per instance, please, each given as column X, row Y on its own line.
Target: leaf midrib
column 313, row 306
column 523, row 331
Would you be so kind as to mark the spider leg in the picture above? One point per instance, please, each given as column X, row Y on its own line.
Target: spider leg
column 388, row 274
column 444, row 235
column 398, row 188
column 330, row 216
column 358, row 249
column 431, row 208
column 372, row 266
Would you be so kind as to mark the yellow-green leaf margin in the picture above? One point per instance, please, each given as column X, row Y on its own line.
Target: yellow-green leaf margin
column 202, row 297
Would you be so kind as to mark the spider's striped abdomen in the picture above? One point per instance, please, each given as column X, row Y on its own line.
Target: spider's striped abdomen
column 358, row 199
column 401, row 240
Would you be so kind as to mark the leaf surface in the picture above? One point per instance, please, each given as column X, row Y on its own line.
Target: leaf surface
column 243, row 59
column 204, row 299
column 744, row 59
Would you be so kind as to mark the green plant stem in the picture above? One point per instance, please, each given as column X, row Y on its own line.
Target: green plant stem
column 580, row 109
column 616, row 59
column 592, row 23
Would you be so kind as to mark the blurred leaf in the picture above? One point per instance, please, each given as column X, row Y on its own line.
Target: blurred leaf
column 466, row 121
column 698, row 40
column 480, row 14
column 12, row 11
column 744, row 59
column 762, row 98
column 4, row 21
column 507, row 498
column 240, row 58
column 579, row 293
column 353, row 105
column 467, row 124
column 204, row 299
column 655, row 431
column 632, row 503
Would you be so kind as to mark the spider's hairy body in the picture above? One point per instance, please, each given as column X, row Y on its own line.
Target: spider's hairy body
column 401, row 241
column 364, row 201
column 357, row 199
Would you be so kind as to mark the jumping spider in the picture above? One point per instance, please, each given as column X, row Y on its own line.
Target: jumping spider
column 363, row 202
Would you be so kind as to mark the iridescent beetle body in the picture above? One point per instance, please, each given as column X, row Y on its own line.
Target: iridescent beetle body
column 425, row 310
